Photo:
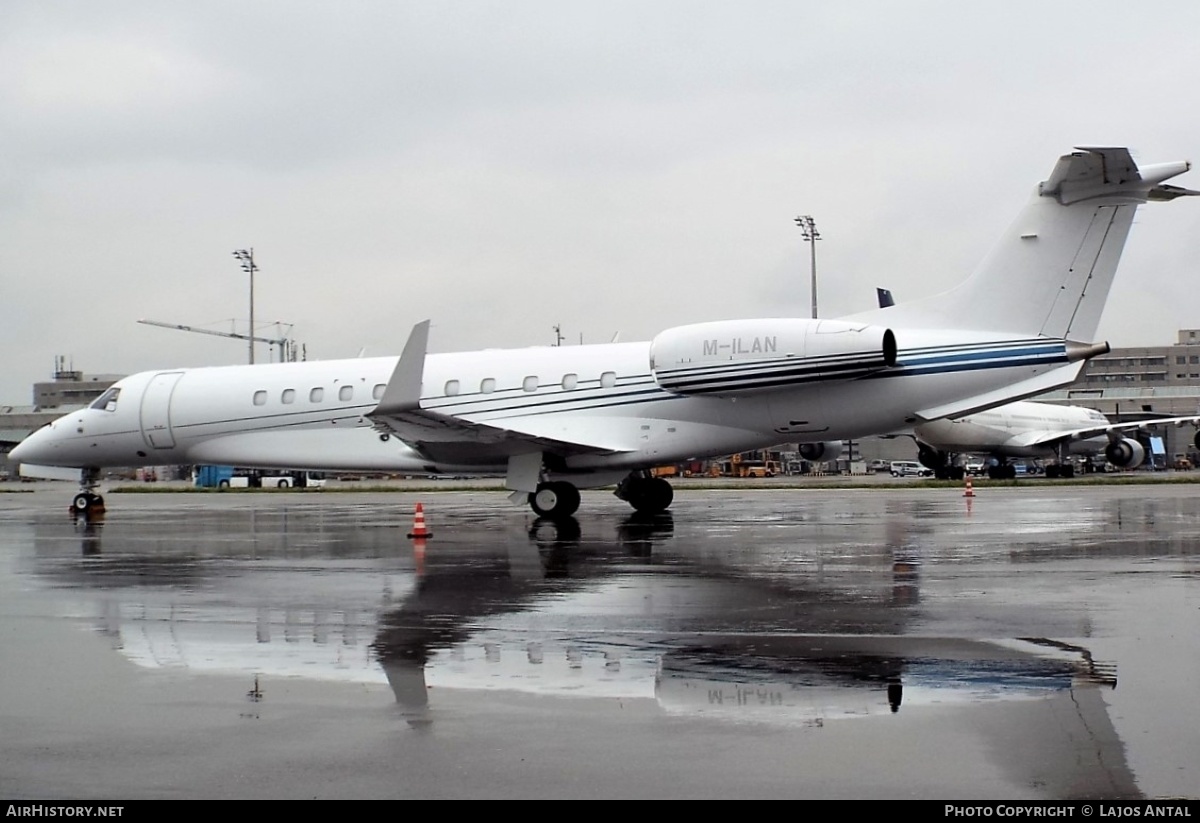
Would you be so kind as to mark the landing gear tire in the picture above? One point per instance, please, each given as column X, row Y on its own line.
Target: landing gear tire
column 87, row 503
column 657, row 498
column 555, row 499
column 647, row 495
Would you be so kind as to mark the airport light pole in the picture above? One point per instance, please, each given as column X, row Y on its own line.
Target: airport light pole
column 809, row 229
column 247, row 258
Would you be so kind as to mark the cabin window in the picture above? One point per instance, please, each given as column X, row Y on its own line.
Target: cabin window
column 260, row 398
column 378, row 391
column 451, row 388
column 346, row 393
column 570, row 381
column 608, row 379
column 316, row 395
column 530, row 383
column 488, row 385
column 289, row 396
column 107, row 401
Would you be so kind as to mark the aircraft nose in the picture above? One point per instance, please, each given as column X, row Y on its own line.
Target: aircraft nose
column 31, row 448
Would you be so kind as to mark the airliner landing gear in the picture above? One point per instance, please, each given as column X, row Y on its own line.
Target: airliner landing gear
column 940, row 462
column 88, row 501
column 555, row 499
column 1002, row 471
column 648, row 495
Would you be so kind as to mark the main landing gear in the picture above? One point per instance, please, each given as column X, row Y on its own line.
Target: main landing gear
column 646, row 493
column 558, row 499
column 88, row 501
column 555, row 499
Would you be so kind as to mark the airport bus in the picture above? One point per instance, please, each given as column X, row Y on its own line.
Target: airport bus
column 232, row 477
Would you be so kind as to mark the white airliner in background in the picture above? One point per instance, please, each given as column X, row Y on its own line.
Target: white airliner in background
column 1029, row 428
column 559, row 418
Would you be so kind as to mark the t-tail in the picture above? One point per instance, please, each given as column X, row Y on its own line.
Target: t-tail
column 1050, row 274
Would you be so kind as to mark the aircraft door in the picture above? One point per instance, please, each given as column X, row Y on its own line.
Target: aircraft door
column 156, row 410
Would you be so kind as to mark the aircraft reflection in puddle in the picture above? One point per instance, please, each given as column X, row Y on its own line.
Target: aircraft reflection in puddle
column 550, row 610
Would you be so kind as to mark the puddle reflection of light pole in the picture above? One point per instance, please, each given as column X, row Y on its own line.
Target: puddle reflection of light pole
column 247, row 258
column 809, row 229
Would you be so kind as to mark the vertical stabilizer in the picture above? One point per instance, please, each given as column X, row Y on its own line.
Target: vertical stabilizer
column 1051, row 272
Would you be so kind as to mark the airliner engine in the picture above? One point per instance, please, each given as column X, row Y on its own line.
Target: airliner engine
column 734, row 357
column 821, row 452
column 1125, row 453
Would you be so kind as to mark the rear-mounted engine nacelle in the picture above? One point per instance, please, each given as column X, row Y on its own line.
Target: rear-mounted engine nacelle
column 732, row 357
column 821, row 452
column 1125, row 453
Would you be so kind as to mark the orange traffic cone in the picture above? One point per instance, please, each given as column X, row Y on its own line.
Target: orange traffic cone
column 419, row 530
column 970, row 492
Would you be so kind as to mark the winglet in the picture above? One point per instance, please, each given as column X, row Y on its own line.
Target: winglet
column 403, row 392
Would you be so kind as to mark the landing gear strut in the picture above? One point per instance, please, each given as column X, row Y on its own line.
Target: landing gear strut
column 88, row 501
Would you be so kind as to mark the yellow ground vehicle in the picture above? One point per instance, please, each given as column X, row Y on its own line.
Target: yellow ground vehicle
column 750, row 464
column 756, row 468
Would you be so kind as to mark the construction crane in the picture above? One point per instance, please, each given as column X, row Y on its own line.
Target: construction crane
column 286, row 346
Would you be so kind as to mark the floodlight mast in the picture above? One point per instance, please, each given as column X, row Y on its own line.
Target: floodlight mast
column 809, row 229
column 247, row 258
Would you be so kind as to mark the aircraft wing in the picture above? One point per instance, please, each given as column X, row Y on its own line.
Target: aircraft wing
column 423, row 427
column 400, row 413
column 1055, row 438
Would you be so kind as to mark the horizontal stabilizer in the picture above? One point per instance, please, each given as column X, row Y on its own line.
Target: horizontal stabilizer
column 1047, row 381
column 1105, row 172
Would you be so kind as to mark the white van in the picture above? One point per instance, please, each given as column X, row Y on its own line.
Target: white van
column 909, row 468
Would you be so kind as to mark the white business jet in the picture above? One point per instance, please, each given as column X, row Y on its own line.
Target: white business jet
column 557, row 419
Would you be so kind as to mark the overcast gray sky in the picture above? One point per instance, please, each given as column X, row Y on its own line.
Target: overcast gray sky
column 504, row 167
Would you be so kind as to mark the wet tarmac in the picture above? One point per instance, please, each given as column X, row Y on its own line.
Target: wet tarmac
column 1036, row 642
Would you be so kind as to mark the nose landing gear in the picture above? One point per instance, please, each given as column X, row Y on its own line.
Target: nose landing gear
column 88, row 501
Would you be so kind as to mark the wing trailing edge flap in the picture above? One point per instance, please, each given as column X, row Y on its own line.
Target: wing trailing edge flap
column 399, row 412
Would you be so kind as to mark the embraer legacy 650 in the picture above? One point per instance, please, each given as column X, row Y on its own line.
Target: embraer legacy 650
column 558, row 419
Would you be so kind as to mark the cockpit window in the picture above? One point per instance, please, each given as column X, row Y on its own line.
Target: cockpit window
column 107, row 401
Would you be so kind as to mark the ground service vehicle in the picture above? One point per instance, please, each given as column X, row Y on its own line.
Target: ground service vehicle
column 909, row 468
column 229, row 477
